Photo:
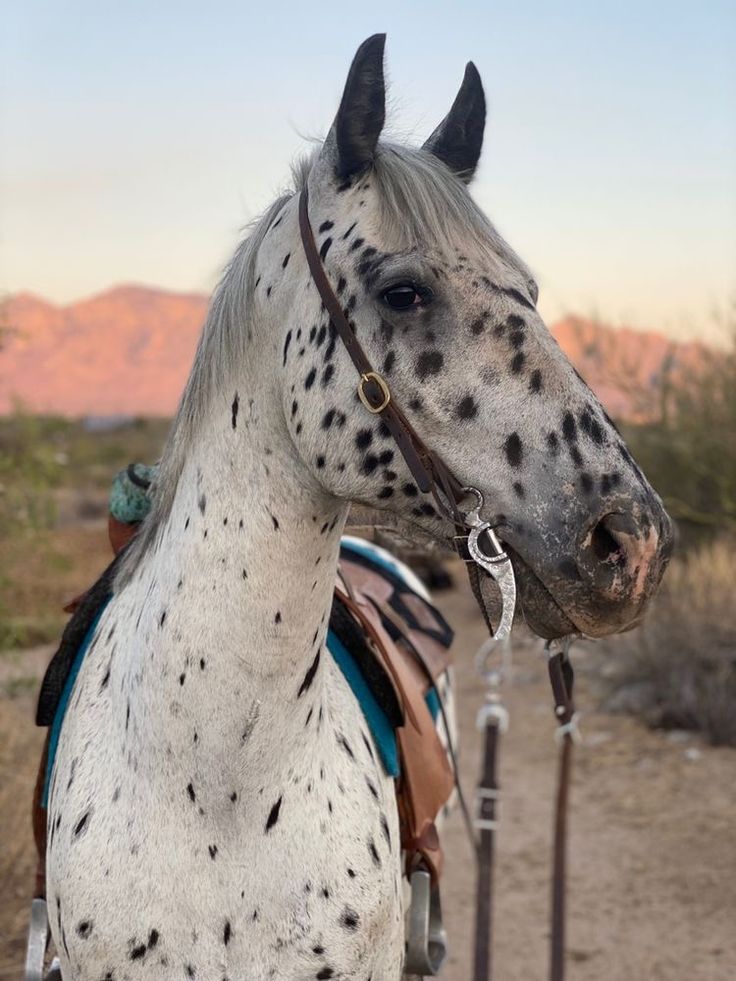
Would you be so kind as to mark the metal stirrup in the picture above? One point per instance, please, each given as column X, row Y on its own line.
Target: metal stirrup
column 38, row 938
column 426, row 944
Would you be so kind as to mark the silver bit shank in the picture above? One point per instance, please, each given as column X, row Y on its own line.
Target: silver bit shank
column 501, row 571
column 497, row 565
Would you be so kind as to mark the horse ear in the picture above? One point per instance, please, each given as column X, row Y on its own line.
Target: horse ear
column 458, row 139
column 362, row 111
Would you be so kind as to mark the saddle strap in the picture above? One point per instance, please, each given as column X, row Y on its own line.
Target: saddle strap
column 427, row 469
column 424, row 642
column 39, row 819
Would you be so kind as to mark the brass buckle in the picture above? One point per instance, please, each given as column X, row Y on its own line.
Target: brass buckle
column 374, row 376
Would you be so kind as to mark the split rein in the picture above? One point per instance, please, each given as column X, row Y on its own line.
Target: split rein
column 477, row 544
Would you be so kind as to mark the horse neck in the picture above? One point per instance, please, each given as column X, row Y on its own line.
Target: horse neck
column 231, row 605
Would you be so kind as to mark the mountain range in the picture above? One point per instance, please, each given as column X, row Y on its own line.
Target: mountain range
column 128, row 350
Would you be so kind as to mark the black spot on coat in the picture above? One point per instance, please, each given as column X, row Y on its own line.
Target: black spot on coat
column 513, row 448
column 429, row 363
column 467, row 408
column 273, row 815
column 309, row 676
column 81, row 824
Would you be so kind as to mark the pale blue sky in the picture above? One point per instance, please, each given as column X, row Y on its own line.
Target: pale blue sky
column 136, row 139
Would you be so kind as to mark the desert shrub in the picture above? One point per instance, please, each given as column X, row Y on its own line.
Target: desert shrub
column 44, row 461
column 679, row 669
column 29, row 470
column 687, row 451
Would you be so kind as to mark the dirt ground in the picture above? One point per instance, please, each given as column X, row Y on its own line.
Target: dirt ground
column 652, row 892
column 652, row 850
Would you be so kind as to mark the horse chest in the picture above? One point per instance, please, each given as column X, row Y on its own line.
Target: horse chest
column 271, row 865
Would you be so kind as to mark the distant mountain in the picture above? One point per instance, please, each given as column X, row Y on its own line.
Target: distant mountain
column 128, row 351
column 628, row 370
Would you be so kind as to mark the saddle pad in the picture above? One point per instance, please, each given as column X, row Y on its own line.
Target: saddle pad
column 362, row 672
column 66, row 694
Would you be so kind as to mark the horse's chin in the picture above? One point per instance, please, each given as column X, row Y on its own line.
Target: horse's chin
column 535, row 603
column 538, row 607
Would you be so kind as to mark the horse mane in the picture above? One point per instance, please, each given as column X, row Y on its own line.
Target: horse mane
column 420, row 202
column 222, row 344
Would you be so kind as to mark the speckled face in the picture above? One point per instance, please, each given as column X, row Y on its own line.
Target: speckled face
column 447, row 314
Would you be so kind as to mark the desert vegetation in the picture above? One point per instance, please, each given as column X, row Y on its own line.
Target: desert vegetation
column 679, row 669
column 54, row 480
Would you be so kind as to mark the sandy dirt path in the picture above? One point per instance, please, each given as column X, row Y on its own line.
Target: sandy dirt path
column 652, row 847
column 652, row 891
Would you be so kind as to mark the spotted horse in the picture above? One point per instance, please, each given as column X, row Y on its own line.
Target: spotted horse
column 217, row 808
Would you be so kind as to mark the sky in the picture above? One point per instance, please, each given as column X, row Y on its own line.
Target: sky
column 137, row 139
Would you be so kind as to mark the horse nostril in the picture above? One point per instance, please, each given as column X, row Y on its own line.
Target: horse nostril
column 603, row 543
column 612, row 544
column 620, row 558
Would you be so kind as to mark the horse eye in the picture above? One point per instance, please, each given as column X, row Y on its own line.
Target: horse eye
column 404, row 296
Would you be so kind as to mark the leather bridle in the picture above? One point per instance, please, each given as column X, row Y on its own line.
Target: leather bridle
column 479, row 549
column 428, row 470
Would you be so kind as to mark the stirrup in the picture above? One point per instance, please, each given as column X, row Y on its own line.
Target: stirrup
column 426, row 944
column 38, row 938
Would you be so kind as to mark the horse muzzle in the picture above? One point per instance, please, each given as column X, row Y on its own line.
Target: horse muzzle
column 605, row 585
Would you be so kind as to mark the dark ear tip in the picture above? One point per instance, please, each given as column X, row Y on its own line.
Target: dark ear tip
column 369, row 55
column 373, row 45
column 458, row 139
column 472, row 79
column 471, row 72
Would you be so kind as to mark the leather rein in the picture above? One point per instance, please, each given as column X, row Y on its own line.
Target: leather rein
column 477, row 545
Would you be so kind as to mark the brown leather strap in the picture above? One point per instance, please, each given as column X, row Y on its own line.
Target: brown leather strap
column 561, row 678
column 429, row 472
column 431, row 654
column 487, row 791
column 120, row 532
column 39, row 820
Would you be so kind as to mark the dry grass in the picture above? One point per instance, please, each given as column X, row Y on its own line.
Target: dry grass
column 54, row 480
column 679, row 669
column 42, row 572
column 38, row 578
column 20, row 748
